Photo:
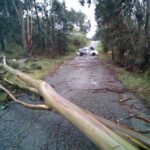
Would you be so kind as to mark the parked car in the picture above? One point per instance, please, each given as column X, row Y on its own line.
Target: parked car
column 87, row 51
column 83, row 51
column 93, row 52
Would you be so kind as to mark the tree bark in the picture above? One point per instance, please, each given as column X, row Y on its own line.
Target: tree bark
column 147, row 25
column 2, row 43
column 93, row 128
column 39, row 27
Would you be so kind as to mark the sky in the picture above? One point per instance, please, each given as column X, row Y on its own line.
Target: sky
column 89, row 11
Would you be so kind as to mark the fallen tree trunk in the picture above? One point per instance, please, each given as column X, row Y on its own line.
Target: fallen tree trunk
column 126, row 132
column 92, row 127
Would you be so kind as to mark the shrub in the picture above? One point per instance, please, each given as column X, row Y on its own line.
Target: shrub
column 76, row 40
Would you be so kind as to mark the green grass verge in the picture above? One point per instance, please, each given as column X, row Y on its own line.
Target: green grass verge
column 41, row 67
column 48, row 65
column 139, row 83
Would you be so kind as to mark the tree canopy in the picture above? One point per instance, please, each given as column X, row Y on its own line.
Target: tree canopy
column 124, row 28
column 40, row 28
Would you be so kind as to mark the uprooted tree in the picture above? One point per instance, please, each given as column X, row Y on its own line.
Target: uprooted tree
column 104, row 133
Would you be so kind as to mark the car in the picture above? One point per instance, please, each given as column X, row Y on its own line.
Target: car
column 87, row 51
column 93, row 52
column 83, row 51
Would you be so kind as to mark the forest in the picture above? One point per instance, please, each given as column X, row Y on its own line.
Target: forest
column 36, row 28
column 48, row 27
column 124, row 29
column 51, row 97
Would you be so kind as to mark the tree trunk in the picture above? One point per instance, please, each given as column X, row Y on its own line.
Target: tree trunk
column 2, row 41
column 19, row 12
column 2, row 44
column 95, row 130
column 147, row 25
column 113, row 55
column 39, row 28
column 24, row 42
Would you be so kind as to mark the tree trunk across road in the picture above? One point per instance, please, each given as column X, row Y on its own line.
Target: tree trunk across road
column 84, row 81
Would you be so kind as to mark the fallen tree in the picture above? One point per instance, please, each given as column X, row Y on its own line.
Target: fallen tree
column 105, row 134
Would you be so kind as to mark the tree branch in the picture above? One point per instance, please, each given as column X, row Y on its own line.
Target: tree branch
column 27, row 105
column 35, row 91
column 98, row 132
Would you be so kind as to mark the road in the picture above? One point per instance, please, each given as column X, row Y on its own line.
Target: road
column 88, row 83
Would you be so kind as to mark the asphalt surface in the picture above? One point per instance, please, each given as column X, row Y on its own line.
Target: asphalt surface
column 88, row 83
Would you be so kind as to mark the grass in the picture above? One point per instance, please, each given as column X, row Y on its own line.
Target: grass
column 45, row 67
column 100, row 48
column 139, row 83
column 48, row 65
column 41, row 67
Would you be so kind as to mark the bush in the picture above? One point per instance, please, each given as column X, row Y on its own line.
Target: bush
column 100, row 47
column 13, row 51
column 76, row 40
column 3, row 97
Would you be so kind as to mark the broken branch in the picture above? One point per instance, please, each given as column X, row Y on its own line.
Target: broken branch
column 126, row 99
column 126, row 117
column 27, row 105
column 31, row 89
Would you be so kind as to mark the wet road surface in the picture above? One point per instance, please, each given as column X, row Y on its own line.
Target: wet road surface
column 84, row 81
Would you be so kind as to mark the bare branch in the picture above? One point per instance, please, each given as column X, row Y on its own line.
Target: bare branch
column 27, row 105
column 126, row 99
column 35, row 91
column 4, row 59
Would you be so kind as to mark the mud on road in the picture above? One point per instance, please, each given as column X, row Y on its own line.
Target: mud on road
column 84, row 81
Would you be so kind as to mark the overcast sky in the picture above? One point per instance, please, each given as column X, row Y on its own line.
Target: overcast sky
column 89, row 11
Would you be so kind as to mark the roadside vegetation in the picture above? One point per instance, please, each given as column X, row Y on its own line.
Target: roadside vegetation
column 37, row 37
column 40, row 28
column 124, row 32
column 138, row 82
column 124, row 29
column 38, row 66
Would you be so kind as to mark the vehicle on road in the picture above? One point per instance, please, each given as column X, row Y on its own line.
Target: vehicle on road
column 87, row 51
column 83, row 51
column 93, row 52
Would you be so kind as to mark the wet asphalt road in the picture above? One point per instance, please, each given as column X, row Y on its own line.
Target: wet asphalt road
column 86, row 82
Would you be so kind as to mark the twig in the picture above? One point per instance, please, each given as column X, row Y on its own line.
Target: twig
column 107, row 90
column 4, row 59
column 126, row 117
column 137, row 115
column 27, row 105
column 126, row 99
column 141, row 117
column 134, row 115
column 143, row 131
column 35, row 91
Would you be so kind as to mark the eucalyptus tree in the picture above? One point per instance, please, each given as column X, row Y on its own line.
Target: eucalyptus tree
column 124, row 26
column 38, row 27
